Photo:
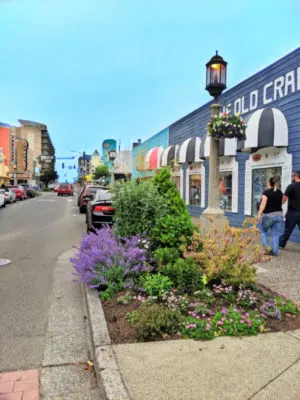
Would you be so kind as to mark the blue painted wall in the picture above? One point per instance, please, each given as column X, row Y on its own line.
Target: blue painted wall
column 159, row 139
column 194, row 124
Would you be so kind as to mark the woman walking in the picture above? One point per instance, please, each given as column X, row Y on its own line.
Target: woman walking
column 270, row 215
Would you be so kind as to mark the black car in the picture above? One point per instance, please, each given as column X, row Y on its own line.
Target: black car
column 87, row 195
column 99, row 211
column 29, row 190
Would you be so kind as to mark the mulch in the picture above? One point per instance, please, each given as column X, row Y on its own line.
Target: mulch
column 121, row 331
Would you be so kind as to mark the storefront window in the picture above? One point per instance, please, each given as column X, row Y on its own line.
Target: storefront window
column 226, row 190
column 195, row 189
column 176, row 180
column 260, row 178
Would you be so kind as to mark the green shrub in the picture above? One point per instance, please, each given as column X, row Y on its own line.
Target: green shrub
column 138, row 207
column 167, row 188
column 156, row 285
column 155, row 319
column 286, row 306
column 166, row 255
column 175, row 227
column 172, row 231
column 185, row 274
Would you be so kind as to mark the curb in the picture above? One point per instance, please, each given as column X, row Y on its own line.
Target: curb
column 106, row 365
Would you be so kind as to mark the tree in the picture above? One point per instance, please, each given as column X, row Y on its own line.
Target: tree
column 100, row 172
column 48, row 176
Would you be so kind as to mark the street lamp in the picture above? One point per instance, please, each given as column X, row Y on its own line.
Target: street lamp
column 112, row 156
column 215, row 84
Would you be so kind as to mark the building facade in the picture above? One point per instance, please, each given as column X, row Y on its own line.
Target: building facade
column 123, row 164
column 269, row 102
column 5, row 154
column 84, row 164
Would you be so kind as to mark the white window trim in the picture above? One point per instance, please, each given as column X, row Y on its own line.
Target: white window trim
column 179, row 172
column 196, row 170
column 229, row 164
column 271, row 157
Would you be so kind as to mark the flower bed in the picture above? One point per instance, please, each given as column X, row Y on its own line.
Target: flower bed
column 156, row 284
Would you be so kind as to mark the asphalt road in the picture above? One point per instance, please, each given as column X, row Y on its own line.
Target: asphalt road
column 33, row 234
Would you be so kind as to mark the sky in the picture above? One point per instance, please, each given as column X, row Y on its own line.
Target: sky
column 126, row 69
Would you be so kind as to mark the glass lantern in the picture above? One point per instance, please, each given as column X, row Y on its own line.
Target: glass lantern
column 216, row 76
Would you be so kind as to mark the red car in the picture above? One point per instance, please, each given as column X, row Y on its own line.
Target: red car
column 19, row 191
column 65, row 189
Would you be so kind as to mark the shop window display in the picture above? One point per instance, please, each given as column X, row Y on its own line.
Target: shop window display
column 226, row 191
column 259, row 184
column 194, row 189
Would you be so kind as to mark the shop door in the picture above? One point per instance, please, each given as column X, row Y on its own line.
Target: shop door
column 260, row 178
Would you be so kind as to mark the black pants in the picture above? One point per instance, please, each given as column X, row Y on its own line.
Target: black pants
column 292, row 219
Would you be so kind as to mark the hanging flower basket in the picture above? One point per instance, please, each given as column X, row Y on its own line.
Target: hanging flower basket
column 227, row 126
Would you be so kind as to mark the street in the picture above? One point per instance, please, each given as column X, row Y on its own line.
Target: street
column 33, row 234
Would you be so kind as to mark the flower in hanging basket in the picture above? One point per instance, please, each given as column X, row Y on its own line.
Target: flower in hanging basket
column 227, row 126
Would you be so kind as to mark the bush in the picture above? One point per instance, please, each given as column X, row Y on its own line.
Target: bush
column 155, row 319
column 166, row 255
column 176, row 226
column 156, row 285
column 227, row 256
column 185, row 274
column 172, row 231
column 138, row 207
column 104, row 261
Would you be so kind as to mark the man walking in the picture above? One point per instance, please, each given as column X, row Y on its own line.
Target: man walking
column 292, row 194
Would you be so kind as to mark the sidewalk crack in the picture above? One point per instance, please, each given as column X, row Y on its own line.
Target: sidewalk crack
column 274, row 379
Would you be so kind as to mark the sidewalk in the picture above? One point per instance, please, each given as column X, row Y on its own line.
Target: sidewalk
column 264, row 367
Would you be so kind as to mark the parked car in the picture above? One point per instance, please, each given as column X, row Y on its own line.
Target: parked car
column 19, row 191
column 51, row 186
column 29, row 189
column 65, row 189
column 2, row 200
column 99, row 211
column 9, row 195
column 87, row 195
column 56, row 188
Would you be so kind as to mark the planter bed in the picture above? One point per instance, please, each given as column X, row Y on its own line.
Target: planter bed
column 121, row 331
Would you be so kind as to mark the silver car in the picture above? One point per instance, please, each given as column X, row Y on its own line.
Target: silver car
column 2, row 200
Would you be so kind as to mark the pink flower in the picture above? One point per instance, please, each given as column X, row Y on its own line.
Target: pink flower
column 198, row 317
column 220, row 323
column 231, row 320
column 282, row 303
column 225, row 330
column 194, row 315
column 187, row 326
column 241, row 321
column 207, row 327
column 193, row 325
column 247, row 315
column 223, row 319
column 243, row 316
column 249, row 324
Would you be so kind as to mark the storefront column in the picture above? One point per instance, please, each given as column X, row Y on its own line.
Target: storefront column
column 213, row 217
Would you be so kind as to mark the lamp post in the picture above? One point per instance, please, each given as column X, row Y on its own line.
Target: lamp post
column 215, row 84
column 112, row 156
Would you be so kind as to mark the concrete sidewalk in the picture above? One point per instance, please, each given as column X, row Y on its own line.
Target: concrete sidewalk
column 265, row 367
column 282, row 273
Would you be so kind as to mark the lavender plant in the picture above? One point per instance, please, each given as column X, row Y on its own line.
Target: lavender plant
column 106, row 260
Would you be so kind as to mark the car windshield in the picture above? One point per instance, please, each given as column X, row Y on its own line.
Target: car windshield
column 64, row 186
column 102, row 195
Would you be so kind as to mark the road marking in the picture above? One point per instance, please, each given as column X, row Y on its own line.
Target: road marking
column 49, row 201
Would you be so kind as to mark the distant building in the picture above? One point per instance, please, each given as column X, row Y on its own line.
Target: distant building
column 123, row 164
column 84, row 164
column 96, row 161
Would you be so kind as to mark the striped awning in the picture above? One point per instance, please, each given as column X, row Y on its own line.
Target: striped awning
column 266, row 128
column 227, row 147
column 152, row 159
column 170, row 155
column 191, row 150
